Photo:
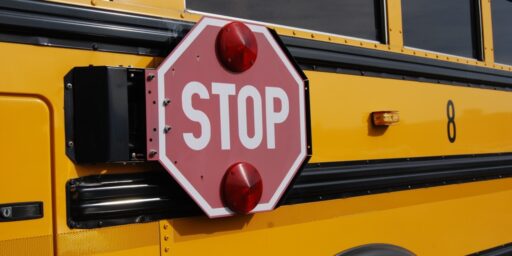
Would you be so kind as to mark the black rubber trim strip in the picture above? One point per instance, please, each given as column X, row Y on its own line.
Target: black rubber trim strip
column 502, row 250
column 331, row 57
column 324, row 181
column 157, row 196
column 52, row 24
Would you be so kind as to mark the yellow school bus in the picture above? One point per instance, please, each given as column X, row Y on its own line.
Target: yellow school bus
column 431, row 177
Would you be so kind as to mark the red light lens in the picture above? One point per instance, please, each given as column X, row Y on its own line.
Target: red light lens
column 236, row 47
column 242, row 188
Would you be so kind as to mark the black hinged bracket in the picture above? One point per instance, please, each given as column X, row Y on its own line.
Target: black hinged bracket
column 105, row 114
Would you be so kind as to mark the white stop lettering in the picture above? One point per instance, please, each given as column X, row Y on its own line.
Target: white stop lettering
column 224, row 91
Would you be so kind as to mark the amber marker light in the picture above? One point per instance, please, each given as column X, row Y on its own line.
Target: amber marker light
column 241, row 187
column 385, row 118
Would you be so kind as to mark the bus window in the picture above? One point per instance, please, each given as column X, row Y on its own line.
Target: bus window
column 354, row 18
column 450, row 27
column 502, row 32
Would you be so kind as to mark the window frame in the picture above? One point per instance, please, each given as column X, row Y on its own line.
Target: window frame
column 383, row 33
column 493, row 36
column 476, row 22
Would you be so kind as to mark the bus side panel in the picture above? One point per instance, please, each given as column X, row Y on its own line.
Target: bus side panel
column 447, row 220
column 125, row 240
column 26, row 138
column 25, row 171
column 477, row 122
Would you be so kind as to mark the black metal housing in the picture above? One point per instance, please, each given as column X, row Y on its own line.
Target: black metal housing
column 105, row 114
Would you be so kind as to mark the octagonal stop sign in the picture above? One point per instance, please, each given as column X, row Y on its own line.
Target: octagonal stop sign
column 211, row 115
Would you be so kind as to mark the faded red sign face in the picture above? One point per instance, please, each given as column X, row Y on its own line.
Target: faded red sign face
column 209, row 118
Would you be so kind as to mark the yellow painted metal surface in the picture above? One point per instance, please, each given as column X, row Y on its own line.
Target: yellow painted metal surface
column 133, row 239
column 162, row 8
column 341, row 125
column 40, row 75
column 27, row 246
column 25, row 170
column 450, row 220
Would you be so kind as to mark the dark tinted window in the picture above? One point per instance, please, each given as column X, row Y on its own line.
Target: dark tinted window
column 356, row 18
column 502, row 30
column 447, row 26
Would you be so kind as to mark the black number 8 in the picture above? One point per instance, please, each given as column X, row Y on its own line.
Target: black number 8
column 451, row 128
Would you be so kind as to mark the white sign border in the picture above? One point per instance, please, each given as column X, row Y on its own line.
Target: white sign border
column 169, row 165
